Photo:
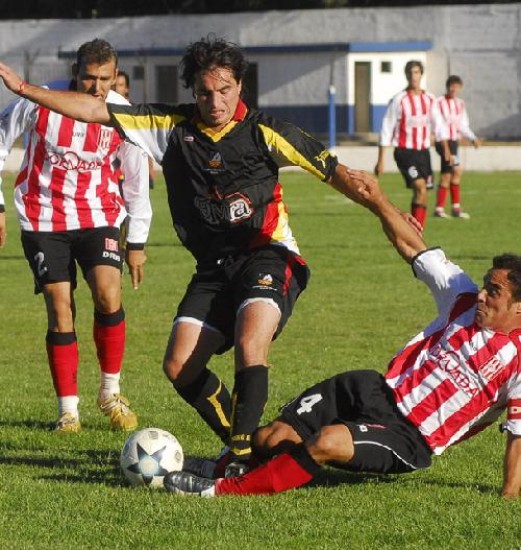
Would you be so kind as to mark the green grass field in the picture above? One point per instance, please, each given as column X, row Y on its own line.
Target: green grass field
column 362, row 304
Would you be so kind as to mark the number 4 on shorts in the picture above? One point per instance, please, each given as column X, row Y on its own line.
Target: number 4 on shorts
column 308, row 402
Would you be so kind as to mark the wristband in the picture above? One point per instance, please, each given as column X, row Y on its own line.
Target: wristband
column 135, row 246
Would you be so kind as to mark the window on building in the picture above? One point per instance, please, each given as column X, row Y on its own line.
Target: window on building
column 138, row 72
column 386, row 67
column 166, row 83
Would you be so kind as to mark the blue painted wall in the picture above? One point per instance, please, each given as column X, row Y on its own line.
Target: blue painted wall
column 314, row 118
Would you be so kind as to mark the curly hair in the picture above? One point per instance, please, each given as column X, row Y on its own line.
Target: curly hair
column 97, row 51
column 209, row 53
column 512, row 263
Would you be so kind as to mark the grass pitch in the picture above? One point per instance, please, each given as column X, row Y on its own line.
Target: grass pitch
column 362, row 304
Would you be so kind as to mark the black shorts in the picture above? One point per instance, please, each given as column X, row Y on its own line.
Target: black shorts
column 413, row 164
column 446, row 167
column 53, row 255
column 215, row 293
column 384, row 440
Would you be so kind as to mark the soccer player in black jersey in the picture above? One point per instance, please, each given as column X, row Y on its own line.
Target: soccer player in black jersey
column 221, row 163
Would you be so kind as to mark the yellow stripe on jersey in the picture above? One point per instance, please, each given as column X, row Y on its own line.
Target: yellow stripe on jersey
column 147, row 122
column 281, row 232
column 288, row 151
column 214, row 135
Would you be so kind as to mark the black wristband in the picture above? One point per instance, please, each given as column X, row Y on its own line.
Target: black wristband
column 135, row 246
column 2, row 208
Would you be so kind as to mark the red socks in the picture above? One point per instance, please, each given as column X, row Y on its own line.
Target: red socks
column 284, row 472
column 455, row 194
column 441, row 197
column 62, row 351
column 419, row 212
column 109, row 336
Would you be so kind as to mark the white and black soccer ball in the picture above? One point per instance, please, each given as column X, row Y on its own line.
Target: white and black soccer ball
column 149, row 455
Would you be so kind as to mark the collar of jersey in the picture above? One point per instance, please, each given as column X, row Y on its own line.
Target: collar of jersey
column 238, row 116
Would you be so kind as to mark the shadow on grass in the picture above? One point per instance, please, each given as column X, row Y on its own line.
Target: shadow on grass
column 84, row 466
column 101, row 466
column 30, row 424
column 334, row 478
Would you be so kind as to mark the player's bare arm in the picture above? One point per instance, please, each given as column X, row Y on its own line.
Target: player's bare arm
column 3, row 229
column 379, row 167
column 79, row 106
column 356, row 185
column 512, row 468
column 135, row 260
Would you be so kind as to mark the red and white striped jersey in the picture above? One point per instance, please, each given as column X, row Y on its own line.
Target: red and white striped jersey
column 410, row 120
column 456, row 118
column 454, row 379
column 69, row 176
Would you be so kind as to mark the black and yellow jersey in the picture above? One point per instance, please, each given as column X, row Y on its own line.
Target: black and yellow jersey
column 223, row 187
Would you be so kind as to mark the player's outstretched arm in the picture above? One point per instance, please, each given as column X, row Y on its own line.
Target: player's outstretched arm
column 364, row 189
column 76, row 105
column 512, row 468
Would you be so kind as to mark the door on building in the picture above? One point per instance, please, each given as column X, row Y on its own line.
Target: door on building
column 250, row 85
column 362, row 96
column 166, row 83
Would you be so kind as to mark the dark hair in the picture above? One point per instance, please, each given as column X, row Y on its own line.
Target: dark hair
column 210, row 53
column 125, row 76
column 512, row 263
column 96, row 51
column 411, row 64
column 453, row 79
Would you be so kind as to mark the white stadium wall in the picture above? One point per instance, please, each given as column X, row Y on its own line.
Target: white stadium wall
column 478, row 42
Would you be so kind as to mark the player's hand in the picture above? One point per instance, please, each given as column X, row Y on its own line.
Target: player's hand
column 136, row 260
column 378, row 169
column 477, row 143
column 11, row 80
column 366, row 186
column 413, row 222
column 3, row 230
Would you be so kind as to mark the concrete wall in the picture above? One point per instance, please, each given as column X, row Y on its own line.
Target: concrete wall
column 489, row 158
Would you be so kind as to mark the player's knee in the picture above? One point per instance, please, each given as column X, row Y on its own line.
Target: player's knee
column 274, row 438
column 261, row 438
column 179, row 371
column 173, row 368
column 250, row 350
column 108, row 301
column 331, row 443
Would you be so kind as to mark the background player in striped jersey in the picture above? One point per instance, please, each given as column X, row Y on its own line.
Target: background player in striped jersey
column 446, row 384
column 411, row 117
column 454, row 112
column 70, row 210
column 3, row 228
column 221, row 162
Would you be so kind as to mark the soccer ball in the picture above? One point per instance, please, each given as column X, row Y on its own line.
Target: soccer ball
column 149, row 455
